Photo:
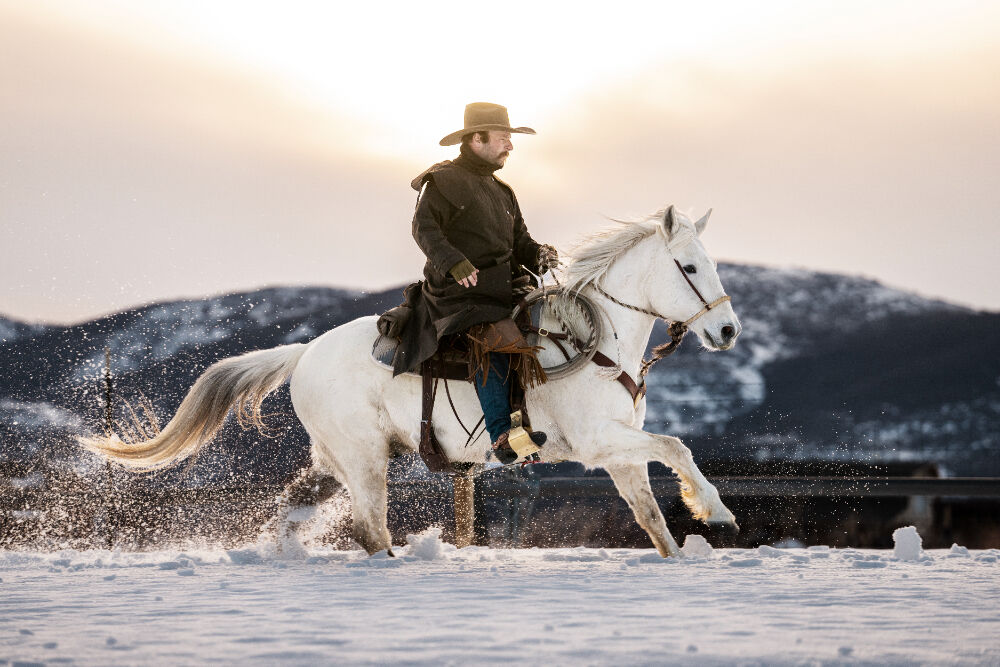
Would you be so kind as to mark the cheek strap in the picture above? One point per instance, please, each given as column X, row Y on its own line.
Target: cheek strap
column 707, row 306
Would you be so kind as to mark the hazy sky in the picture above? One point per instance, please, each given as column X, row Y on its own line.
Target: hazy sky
column 154, row 150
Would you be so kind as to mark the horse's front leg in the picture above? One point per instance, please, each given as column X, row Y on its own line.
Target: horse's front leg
column 632, row 481
column 625, row 445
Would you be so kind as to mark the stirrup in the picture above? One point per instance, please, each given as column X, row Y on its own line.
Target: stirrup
column 519, row 441
column 506, row 455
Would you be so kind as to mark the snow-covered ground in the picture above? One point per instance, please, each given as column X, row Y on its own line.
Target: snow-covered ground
column 435, row 604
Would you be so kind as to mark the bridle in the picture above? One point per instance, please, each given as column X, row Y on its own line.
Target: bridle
column 676, row 328
column 706, row 305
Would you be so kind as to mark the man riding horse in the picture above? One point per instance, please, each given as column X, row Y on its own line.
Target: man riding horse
column 469, row 225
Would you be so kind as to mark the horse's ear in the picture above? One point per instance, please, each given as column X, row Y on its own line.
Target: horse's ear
column 668, row 220
column 703, row 222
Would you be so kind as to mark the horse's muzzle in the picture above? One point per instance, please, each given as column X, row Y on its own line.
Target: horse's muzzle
column 726, row 337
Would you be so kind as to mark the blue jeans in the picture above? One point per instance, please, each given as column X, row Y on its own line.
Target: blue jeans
column 495, row 396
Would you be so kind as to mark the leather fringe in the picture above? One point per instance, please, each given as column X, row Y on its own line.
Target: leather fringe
column 529, row 370
column 523, row 357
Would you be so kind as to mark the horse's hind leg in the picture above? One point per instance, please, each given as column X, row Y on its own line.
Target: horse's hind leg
column 633, row 485
column 311, row 487
column 361, row 465
column 369, row 503
column 299, row 500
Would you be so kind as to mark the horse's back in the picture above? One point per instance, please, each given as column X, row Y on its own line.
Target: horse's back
column 340, row 337
column 337, row 365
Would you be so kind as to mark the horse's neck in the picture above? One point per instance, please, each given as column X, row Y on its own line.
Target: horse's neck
column 633, row 328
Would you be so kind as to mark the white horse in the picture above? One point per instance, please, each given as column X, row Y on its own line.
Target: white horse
column 358, row 416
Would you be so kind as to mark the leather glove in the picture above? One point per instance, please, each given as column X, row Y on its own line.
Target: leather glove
column 462, row 270
column 548, row 258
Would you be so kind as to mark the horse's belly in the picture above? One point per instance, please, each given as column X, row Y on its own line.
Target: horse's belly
column 403, row 405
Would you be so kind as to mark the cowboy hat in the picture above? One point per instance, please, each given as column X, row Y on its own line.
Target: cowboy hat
column 481, row 117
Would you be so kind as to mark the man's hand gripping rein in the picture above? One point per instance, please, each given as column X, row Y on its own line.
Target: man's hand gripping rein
column 548, row 258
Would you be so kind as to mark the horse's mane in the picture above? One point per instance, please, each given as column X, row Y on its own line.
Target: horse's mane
column 593, row 256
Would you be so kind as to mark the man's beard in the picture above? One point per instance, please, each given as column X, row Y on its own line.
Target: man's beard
column 501, row 159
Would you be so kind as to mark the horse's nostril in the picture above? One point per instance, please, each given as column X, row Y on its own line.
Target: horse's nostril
column 728, row 332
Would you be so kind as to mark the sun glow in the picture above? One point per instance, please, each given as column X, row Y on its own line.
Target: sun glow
column 404, row 71
column 272, row 129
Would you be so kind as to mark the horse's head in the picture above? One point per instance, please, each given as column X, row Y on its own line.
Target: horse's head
column 685, row 285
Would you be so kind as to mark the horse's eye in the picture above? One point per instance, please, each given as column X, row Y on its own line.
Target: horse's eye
column 690, row 268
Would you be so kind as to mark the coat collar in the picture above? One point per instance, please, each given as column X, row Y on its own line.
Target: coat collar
column 469, row 161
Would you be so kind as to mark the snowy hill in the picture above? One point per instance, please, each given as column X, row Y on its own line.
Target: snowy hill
column 828, row 367
column 158, row 351
column 12, row 330
column 837, row 368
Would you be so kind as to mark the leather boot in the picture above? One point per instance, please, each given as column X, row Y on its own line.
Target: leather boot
column 505, row 454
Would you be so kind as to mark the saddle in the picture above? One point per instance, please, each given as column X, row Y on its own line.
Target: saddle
column 578, row 346
column 457, row 358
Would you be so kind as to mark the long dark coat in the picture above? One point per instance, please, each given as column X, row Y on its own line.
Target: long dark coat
column 463, row 212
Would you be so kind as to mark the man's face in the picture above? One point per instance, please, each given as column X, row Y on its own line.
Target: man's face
column 496, row 149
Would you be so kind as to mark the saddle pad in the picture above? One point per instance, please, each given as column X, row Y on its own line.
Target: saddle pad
column 453, row 368
column 383, row 350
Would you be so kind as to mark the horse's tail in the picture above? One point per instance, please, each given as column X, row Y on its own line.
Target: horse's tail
column 237, row 382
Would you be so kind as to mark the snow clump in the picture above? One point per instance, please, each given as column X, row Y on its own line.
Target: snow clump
column 769, row 552
column 427, row 545
column 696, row 546
column 958, row 552
column 243, row 557
column 907, row 543
column 790, row 543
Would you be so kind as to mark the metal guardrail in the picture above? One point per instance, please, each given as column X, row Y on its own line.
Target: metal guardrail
column 969, row 487
column 567, row 487
column 597, row 487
